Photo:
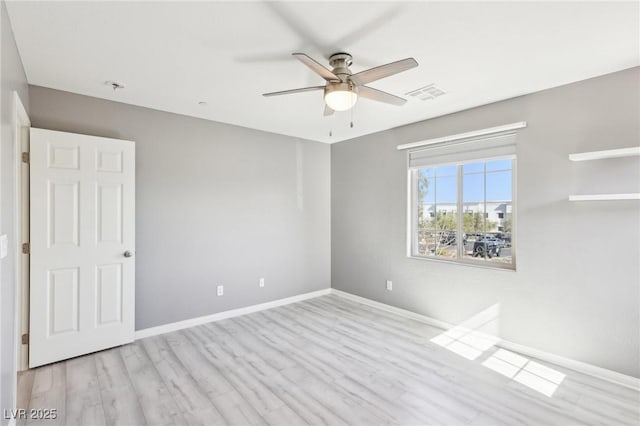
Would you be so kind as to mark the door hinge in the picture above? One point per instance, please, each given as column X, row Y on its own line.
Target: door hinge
column 25, row 157
column 26, row 248
column 25, row 339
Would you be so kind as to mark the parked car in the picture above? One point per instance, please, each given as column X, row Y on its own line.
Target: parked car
column 487, row 246
column 500, row 242
column 450, row 239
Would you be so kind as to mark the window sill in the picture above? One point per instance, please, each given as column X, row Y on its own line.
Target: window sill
column 472, row 263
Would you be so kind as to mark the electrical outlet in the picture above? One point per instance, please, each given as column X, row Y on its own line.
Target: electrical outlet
column 389, row 285
column 261, row 282
column 220, row 291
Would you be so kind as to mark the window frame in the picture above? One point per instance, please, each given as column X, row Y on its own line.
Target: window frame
column 412, row 215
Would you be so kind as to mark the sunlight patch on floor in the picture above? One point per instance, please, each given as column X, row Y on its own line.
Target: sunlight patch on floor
column 478, row 334
column 529, row 373
column 474, row 336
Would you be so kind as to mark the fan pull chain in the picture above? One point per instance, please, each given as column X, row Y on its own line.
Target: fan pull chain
column 352, row 118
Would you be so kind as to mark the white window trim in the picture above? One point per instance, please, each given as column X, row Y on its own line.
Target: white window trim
column 412, row 228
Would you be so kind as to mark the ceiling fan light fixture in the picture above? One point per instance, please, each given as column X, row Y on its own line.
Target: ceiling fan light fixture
column 340, row 96
column 343, row 88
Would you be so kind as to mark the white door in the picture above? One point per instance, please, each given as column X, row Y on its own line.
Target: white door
column 82, row 218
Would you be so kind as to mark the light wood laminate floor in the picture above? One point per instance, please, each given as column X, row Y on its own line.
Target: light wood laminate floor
column 327, row 360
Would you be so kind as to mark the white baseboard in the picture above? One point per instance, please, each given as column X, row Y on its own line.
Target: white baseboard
column 581, row 367
column 166, row 328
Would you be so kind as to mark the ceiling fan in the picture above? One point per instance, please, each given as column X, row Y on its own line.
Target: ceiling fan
column 343, row 88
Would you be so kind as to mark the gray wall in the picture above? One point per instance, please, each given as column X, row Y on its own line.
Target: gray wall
column 576, row 289
column 12, row 78
column 215, row 204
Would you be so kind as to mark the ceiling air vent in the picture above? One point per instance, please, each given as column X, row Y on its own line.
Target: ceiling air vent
column 426, row 93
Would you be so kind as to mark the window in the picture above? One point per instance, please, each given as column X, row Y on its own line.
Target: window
column 470, row 176
column 477, row 188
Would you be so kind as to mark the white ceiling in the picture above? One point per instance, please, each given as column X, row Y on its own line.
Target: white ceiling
column 171, row 55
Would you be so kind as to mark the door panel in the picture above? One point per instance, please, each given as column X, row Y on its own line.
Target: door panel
column 82, row 289
column 64, row 225
column 62, row 298
column 109, row 292
column 110, row 161
column 109, row 201
column 64, row 156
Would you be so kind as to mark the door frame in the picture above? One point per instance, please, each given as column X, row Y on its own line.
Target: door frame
column 21, row 122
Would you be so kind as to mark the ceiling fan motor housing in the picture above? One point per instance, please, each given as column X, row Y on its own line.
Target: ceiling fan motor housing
column 340, row 87
column 341, row 63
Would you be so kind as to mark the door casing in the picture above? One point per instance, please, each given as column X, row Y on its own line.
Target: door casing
column 21, row 125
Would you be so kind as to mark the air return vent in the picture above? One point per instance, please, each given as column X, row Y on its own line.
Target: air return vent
column 426, row 93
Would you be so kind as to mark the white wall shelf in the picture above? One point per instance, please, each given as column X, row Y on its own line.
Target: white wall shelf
column 604, row 197
column 609, row 153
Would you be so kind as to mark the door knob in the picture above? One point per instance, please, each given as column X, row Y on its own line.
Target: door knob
column 128, row 254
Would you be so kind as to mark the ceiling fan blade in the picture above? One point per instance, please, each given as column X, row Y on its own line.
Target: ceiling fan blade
column 380, row 96
column 316, row 67
column 288, row 92
column 327, row 110
column 373, row 74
